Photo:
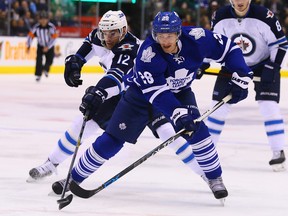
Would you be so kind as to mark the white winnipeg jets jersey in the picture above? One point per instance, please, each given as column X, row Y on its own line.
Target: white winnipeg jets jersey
column 259, row 34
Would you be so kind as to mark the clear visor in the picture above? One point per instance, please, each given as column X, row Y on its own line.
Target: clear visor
column 109, row 34
column 166, row 36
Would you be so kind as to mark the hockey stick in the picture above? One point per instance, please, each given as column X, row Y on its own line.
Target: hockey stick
column 66, row 201
column 255, row 79
column 83, row 193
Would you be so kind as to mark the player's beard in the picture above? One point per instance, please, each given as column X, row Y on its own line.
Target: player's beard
column 110, row 44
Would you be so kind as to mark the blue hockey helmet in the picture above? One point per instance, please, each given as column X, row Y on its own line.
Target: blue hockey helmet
column 166, row 22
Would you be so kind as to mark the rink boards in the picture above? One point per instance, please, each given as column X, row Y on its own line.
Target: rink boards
column 15, row 60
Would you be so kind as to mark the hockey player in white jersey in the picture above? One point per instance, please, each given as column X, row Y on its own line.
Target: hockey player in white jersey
column 164, row 70
column 117, row 50
column 259, row 34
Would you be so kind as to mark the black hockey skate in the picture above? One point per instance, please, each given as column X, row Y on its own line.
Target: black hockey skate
column 58, row 186
column 218, row 189
column 277, row 161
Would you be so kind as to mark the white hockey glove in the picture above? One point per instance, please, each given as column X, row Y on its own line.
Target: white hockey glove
column 238, row 87
column 183, row 119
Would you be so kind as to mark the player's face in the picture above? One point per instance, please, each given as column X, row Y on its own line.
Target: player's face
column 111, row 38
column 241, row 6
column 43, row 21
column 168, row 42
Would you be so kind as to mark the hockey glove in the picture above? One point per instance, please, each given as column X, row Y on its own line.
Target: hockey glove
column 92, row 100
column 183, row 119
column 270, row 70
column 200, row 71
column 238, row 87
column 72, row 73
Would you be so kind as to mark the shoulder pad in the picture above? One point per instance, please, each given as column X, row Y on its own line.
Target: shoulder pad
column 92, row 38
column 220, row 14
column 261, row 13
column 128, row 44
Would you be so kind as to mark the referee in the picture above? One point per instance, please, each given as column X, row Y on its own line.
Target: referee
column 46, row 35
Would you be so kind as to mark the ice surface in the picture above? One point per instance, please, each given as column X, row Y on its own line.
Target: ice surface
column 33, row 116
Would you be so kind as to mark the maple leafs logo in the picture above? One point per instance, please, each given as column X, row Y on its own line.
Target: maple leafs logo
column 122, row 126
column 197, row 33
column 147, row 55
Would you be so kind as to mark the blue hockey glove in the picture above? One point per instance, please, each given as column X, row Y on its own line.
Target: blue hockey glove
column 183, row 119
column 72, row 73
column 268, row 75
column 238, row 87
column 200, row 71
column 92, row 100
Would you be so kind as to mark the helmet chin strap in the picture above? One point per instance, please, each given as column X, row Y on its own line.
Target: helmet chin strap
column 240, row 13
column 123, row 32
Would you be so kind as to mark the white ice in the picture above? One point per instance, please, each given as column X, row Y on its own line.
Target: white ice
column 33, row 116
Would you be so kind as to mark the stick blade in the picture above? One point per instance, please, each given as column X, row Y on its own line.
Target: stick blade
column 79, row 191
column 65, row 201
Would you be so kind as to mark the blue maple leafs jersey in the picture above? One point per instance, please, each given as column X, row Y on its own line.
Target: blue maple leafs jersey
column 259, row 34
column 159, row 74
column 116, row 62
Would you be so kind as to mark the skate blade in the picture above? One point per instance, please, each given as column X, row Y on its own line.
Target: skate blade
column 53, row 194
column 279, row 167
column 31, row 180
column 222, row 201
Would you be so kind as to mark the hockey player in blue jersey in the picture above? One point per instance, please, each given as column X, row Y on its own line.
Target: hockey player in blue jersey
column 260, row 36
column 117, row 50
column 164, row 70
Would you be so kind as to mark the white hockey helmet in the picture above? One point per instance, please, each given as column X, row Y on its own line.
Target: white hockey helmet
column 112, row 20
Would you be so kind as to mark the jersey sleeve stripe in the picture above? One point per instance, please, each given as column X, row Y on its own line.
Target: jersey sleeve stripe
column 116, row 71
column 153, row 88
column 227, row 48
column 234, row 47
column 156, row 93
column 279, row 41
column 116, row 80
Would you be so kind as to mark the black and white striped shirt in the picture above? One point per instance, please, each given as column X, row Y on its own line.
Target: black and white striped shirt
column 46, row 36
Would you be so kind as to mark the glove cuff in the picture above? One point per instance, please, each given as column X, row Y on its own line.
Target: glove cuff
column 177, row 113
column 75, row 59
column 102, row 93
column 83, row 60
column 242, row 82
